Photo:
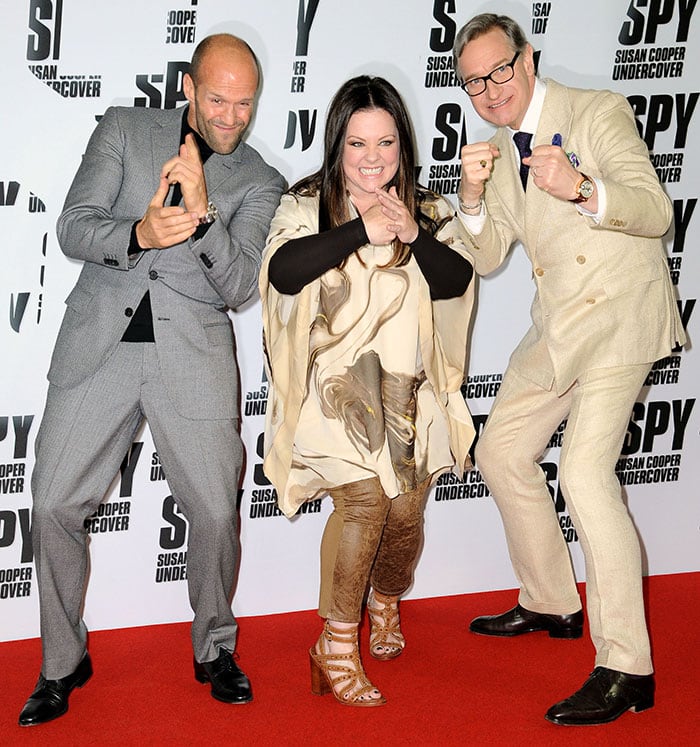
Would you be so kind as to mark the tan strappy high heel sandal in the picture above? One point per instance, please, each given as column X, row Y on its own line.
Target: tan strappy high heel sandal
column 341, row 674
column 385, row 638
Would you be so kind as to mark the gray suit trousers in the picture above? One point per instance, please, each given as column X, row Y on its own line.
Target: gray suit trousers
column 84, row 435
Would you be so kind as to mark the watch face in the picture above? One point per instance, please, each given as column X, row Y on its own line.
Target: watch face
column 586, row 189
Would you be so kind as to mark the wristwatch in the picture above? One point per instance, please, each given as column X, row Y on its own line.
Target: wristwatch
column 584, row 189
column 211, row 215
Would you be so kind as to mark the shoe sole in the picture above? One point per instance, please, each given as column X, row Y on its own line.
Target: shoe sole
column 636, row 708
column 205, row 680
column 565, row 634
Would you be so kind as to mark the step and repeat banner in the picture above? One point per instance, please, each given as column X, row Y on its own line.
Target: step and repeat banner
column 65, row 61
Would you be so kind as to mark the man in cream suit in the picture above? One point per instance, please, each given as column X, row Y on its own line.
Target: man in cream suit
column 169, row 212
column 581, row 195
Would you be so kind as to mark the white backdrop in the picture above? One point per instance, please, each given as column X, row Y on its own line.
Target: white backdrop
column 65, row 61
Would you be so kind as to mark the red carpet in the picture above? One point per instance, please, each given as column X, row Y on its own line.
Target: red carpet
column 450, row 687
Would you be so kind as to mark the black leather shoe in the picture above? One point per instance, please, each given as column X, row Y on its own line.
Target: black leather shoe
column 605, row 696
column 519, row 620
column 50, row 697
column 228, row 683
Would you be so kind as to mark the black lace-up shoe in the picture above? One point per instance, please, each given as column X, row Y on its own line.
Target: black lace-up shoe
column 519, row 620
column 50, row 697
column 605, row 696
column 228, row 683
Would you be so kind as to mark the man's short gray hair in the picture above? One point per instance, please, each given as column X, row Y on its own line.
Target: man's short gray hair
column 482, row 24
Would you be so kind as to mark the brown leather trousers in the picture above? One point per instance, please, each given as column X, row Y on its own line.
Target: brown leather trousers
column 368, row 538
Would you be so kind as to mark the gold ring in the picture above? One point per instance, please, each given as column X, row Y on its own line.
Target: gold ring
column 482, row 163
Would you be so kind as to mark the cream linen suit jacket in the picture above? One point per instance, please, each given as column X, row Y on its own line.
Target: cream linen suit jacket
column 603, row 292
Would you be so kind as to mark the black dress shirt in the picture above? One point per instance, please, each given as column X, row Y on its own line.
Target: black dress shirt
column 140, row 327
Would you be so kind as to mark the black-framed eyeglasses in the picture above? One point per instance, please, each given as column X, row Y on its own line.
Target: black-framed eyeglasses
column 502, row 74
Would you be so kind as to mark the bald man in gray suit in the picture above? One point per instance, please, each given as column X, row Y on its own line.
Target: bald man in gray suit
column 169, row 212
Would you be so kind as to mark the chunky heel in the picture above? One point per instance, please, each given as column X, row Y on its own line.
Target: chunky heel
column 319, row 683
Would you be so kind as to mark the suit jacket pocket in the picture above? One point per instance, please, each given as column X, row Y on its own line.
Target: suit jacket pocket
column 219, row 333
column 630, row 277
column 78, row 299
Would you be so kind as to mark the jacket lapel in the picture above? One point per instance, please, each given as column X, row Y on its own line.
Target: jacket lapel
column 219, row 169
column 165, row 141
column 556, row 115
column 506, row 178
column 555, row 118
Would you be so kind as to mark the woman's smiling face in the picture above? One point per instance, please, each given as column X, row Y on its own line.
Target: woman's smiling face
column 370, row 152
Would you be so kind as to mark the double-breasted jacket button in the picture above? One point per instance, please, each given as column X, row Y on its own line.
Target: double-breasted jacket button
column 128, row 311
column 539, row 272
column 590, row 301
column 153, row 275
column 581, row 259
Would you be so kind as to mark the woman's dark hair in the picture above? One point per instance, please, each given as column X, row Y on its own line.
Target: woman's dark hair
column 363, row 93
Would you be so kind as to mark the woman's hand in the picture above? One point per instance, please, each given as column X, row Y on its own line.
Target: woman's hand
column 401, row 222
column 376, row 227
